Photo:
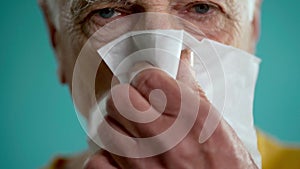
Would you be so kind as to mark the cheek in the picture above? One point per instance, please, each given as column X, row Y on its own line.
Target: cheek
column 87, row 77
column 236, row 35
column 104, row 80
column 228, row 37
column 221, row 29
column 244, row 40
column 225, row 31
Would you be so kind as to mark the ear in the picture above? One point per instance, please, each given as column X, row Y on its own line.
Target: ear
column 54, row 37
column 47, row 16
column 256, row 23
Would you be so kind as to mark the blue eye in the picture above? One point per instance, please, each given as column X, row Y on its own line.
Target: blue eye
column 202, row 8
column 107, row 13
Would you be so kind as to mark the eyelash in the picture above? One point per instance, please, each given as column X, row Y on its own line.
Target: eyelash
column 97, row 18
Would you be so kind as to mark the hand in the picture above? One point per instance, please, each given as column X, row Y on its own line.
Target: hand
column 222, row 150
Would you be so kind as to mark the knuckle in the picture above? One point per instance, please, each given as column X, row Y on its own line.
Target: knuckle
column 92, row 163
column 149, row 78
column 118, row 93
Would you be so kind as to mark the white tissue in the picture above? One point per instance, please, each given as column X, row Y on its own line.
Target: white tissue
column 226, row 74
column 160, row 48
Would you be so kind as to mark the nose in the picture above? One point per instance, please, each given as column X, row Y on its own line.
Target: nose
column 157, row 15
column 157, row 20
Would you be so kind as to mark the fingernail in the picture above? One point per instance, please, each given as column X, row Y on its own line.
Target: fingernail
column 188, row 55
column 192, row 58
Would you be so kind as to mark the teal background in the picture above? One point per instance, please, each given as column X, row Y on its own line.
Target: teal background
column 38, row 120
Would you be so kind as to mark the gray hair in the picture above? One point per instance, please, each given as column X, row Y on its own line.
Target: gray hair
column 251, row 9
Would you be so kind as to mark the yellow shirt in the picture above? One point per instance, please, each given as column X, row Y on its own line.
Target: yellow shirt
column 274, row 155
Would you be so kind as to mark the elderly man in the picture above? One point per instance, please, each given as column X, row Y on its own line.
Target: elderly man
column 236, row 23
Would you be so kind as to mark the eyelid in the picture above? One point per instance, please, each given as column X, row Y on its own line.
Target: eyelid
column 118, row 13
column 193, row 4
column 123, row 10
column 90, row 11
column 217, row 5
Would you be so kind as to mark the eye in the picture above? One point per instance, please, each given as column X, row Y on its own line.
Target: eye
column 107, row 13
column 103, row 16
column 202, row 8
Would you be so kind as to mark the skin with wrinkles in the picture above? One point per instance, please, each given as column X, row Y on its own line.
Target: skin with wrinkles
column 227, row 23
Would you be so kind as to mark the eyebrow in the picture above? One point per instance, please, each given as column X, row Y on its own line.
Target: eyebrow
column 78, row 5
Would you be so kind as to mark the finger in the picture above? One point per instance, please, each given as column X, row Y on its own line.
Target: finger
column 123, row 149
column 100, row 160
column 114, row 138
column 185, row 72
column 133, row 112
column 187, row 75
column 140, row 163
column 122, row 108
column 159, row 89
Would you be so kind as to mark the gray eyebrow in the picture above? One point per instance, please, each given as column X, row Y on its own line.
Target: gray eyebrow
column 78, row 5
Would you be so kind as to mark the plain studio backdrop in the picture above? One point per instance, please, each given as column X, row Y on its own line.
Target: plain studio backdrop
column 38, row 120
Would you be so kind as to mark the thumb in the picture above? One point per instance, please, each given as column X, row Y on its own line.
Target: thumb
column 187, row 75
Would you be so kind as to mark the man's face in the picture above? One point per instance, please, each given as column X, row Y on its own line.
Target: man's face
column 225, row 21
